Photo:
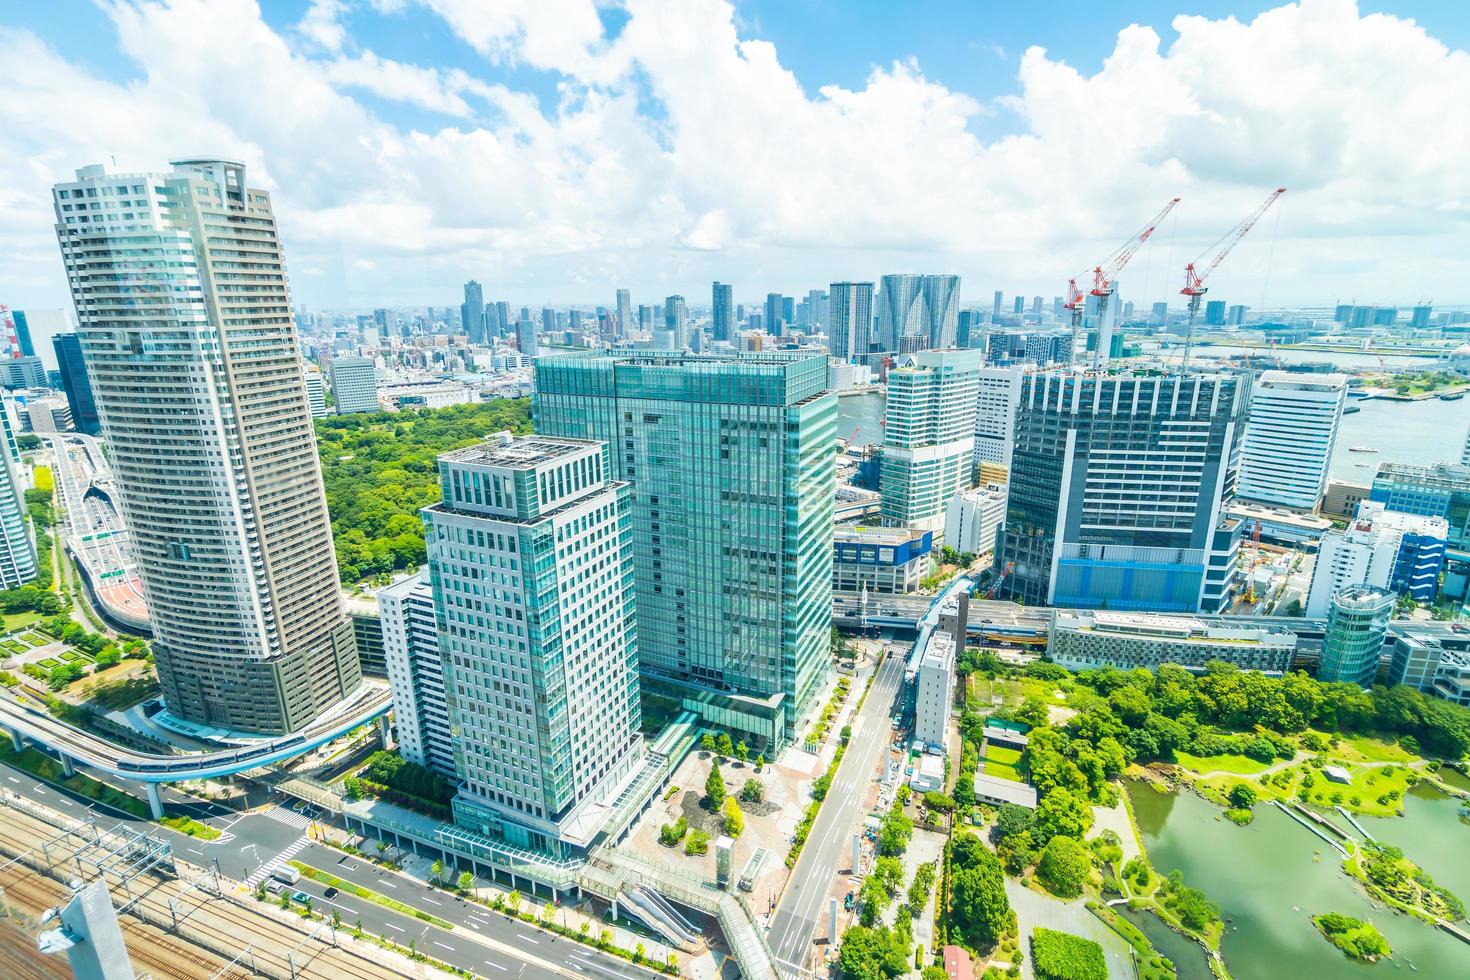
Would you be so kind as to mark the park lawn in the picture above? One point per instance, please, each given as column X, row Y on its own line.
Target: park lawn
column 1241, row 765
column 1003, row 762
column 1360, row 748
column 35, row 639
column 17, row 621
column 1368, row 785
column 190, row 826
column 48, row 663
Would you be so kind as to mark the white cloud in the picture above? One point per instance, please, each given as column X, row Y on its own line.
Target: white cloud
column 744, row 174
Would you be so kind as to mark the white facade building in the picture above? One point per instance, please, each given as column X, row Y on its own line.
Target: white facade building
column 316, row 390
column 17, row 554
column 972, row 519
column 530, row 553
column 1290, row 437
column 416, row 674
column 1366, row 553
column 355, row 385
column 935, row 690
column 997, row 398
column 929, row 436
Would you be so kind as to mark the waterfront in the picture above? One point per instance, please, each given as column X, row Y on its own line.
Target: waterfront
column 1419, row 432
column 1265, row 879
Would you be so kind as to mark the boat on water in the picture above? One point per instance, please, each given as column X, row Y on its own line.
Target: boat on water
column 1361, row 449
column 1350, row 409
column 1452, row 396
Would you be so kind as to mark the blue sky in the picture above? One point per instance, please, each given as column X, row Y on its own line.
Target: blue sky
column 555, row 149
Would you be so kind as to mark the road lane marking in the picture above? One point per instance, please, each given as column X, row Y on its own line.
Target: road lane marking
column 392, row 926
column 528, row 939
column 13, row 780
column 442, row 946
column 496, row 965
column 389, row 884
column 432, row 901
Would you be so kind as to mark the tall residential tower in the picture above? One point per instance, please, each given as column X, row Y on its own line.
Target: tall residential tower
column 186, row 329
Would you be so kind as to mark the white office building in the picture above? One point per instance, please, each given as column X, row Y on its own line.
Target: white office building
column 1290, row 437
column 973, row 519
column 530, row 555
column 934, row 684
column 929, row 436
column 416, row 674
column 316, row 390
column 17, row 554
column 1368, row 552
column 997, row 398
column 355, row 385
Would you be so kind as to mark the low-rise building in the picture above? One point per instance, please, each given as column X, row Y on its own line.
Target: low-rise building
column 1431, row 661
column 1452, row 677
column 426, row 394
column 934, row 684
column 891, row 560
column 1342, row 498
column 972, row 519
column 1278, row 526
column 1080, row 640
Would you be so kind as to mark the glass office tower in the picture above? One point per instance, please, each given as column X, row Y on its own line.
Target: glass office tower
column 732, row 461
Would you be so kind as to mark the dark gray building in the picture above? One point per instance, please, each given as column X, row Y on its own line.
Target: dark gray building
column 1118, row 491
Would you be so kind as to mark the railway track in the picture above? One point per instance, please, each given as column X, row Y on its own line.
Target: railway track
column 219, row 922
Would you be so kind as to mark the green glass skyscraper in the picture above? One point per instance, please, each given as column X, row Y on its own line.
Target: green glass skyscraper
column 732, row 461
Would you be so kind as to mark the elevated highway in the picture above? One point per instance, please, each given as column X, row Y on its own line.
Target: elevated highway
column 370, row 702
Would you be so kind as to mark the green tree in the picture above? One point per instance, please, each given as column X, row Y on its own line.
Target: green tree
column 466, row 881
column 1242, row 796
column 980, row 912
column 872, row 953
column 714, row 789
column 734, row 820
column 707, row 742
column 742, row 751
column 1064, row 868
column 724, row 745
column 436, row 872
column 754, row 791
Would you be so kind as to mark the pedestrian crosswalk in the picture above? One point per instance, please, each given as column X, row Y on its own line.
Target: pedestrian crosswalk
column 264, row 871
column 288, row 817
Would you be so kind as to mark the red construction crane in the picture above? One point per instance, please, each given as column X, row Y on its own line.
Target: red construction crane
column 1074, row 304
column 1106, row 271
column 1194, row 279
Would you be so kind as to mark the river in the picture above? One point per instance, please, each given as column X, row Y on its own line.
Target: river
column 1265, row 879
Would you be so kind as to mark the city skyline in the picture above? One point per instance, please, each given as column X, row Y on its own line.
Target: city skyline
column 482, row 166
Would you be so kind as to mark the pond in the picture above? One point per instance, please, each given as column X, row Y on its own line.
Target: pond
column 1265, row 878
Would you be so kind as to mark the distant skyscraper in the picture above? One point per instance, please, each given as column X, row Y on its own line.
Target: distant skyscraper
column 775, row 318
column 850, row 319
column 732, row 460
column 316, row 390
column 502, row 314
column 354, row 385
column 1215, row 313
column 1290, row 437
column 722, row 311
column 1000, row 298
column 918, row 312
column 970, row 331
column 541, row 680
column 816, row 306
column 1356, row 625
column 76, row 384
column 526, row 341
column 1419, row 318
column 928, row 436
column 1236, row 314
column 676, row 321
column 472, row 312
column 625, row 311
column 1161, row 314
column 224, row 504
column 647, row 319
column 17, row 331
column 17, row 555
column 1020, row 305
column 1036, row 307
column 1118, row 486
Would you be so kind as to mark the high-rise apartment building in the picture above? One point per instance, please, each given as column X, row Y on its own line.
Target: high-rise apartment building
column 625, row 312
column 1357, row 623
column 186, row 328
column 354, row 385
column 416, row 673
column 997, row 399
column 76, row 383
column 732, row 459
column 1118, row 486
column 850, row 319
column 530, row 556
column 676, row 322
column 918, row 312
column 928, row 436
column 17, row 553
column 472, row 312
column 722, row 311
column 1290, row 437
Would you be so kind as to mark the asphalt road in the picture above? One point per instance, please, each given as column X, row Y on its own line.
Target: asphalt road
column 482, row 941
column 805, row 900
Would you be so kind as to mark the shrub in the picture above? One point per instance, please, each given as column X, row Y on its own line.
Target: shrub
column 754, row 791
column 1060, row 956
column 1064, row 867
column 670, row 834
column 696, row 843
column 734, row 819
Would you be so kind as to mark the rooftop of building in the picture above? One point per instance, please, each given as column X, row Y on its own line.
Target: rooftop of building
column 1276, row 515
column 519, row 452
column 938, row 652
column 1178, row 628
column 1363, row 597
column 862, row 534
column 1305, row 382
